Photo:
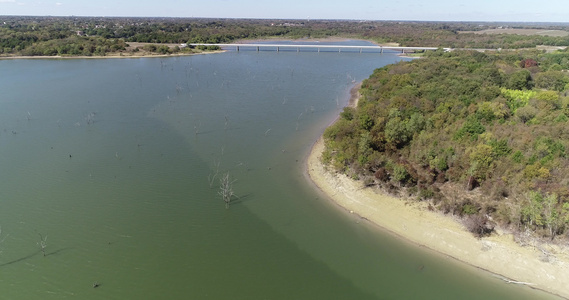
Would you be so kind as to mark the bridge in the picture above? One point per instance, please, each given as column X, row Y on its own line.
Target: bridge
column 339, row 48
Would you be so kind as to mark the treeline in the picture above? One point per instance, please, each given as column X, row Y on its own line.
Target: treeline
column 448, row 35
column 20, row 33
column 75, row 45
column 48, row 36
column 483, row 136
column 98, row 36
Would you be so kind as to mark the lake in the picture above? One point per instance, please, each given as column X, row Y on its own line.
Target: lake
column 115, row 165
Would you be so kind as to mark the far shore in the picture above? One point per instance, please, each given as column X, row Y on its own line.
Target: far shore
column 149, row 55
column 281, row 39
column 411, row 220
column 108, row 56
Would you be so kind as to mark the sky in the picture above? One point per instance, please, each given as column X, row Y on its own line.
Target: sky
column 418, row 10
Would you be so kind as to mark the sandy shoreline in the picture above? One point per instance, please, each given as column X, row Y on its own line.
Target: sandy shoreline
column 498, row 253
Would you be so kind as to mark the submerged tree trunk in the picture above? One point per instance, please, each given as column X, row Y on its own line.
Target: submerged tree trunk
column 43, row 243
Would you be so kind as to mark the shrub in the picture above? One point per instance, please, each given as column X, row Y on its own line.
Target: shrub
column 469, row 209
column 479, row 225
column 426, row 193
column 348, row 113
column 518, row 156
column 562, row 118
column 381, row 174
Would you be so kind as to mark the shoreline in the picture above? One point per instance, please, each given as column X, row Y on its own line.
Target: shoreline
column 498, row 254
column 107, row 56
column 241, row 41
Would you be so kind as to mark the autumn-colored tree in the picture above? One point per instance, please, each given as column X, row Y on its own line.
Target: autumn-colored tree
column 528, row 63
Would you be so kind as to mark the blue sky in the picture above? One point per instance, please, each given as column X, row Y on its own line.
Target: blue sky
column 437, row 10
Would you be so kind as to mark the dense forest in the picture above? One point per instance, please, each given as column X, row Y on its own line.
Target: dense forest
column 482, row 136
column 91, row 36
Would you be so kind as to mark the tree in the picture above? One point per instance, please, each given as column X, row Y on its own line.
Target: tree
column 528, row 63
column 396, row 131
column 520, row 80
column 531, row 211
column 553, row 80
column 481, row 157
column 400, row 174
column 551, row 216
column 541, row 210
column 226, row 189
column 526, row 113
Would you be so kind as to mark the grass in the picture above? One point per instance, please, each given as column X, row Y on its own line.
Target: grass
column 545, row 32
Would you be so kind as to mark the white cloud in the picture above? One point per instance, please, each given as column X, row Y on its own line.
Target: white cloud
column 59, row 4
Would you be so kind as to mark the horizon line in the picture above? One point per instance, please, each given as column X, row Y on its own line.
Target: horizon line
column 284, row 19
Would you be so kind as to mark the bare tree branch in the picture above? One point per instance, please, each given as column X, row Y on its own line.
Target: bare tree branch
column 226, row 189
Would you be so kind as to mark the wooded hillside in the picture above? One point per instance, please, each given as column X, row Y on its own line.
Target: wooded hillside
column 483, row 136
column 93, row 36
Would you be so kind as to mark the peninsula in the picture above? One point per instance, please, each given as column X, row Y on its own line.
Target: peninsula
column 446, row 153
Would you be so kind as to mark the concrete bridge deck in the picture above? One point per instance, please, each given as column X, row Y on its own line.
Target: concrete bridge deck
column 278, row 47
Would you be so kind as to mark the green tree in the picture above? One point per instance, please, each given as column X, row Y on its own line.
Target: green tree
column 532, row 209
column 526, row 113
column 520, row 80
column 551, row 80
column 472, row 127
column 482, row 158
column 551, row 215
column 400, row 174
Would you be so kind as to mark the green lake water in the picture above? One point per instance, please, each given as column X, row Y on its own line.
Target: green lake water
column 117, row 162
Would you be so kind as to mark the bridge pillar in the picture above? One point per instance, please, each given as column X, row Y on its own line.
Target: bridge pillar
column 403, row 51
column 237, row 48
column 278, row 50
column 318, row 50
column 381, row 50
column 360, row 50
column 257, row 48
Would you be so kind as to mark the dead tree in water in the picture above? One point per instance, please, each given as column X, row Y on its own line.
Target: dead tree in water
column 43, row 243
column 226, row 189
column 2, row 238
